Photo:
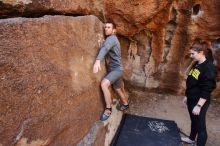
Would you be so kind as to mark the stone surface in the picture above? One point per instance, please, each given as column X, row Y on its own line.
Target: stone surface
column 95, row 137
column 36, row 8
column 155, row 36
column 49, row 95
column 162, row 30
column 132, row 16
column 161, row 59
column 102, row 133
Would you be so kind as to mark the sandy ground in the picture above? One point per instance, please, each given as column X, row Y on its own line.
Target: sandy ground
column 170, row 107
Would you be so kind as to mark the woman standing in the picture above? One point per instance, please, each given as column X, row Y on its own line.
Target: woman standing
column 200, row 83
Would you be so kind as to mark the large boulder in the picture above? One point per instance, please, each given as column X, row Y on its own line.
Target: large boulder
column 132, row 16
column 163, row 32
column 160, row 60
column 47, row 87
column 49, row 95
column 36, row 8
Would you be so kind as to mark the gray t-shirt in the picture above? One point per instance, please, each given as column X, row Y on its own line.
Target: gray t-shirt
column 111, row 51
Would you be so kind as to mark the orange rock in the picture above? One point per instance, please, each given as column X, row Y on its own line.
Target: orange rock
column 47, row 83
column 171, row 28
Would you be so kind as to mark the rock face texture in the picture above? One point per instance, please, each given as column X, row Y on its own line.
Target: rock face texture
column 45, row 63
column 156, row 51
column 163, row 31
column 47, row 83
column 36, row 8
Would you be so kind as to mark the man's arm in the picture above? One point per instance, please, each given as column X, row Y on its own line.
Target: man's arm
column 108, row 44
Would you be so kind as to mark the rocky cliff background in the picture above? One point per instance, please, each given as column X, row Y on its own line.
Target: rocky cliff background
column 48, row 94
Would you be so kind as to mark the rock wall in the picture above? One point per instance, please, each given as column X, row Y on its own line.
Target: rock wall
column 37, row 8
column 159, row 59
column 44, row 62
column 162, row 30
column 49, row 95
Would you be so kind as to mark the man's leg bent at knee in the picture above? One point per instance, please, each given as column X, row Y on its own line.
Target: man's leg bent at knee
column 110, row 78
column 107, row 94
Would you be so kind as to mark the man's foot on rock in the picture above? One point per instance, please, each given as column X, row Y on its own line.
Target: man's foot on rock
column 106, row 114
column 123, row 107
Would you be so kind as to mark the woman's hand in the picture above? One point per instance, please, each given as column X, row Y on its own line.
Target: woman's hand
column 196, row 110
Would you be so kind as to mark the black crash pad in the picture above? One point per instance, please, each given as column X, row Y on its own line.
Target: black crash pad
column 144, row 131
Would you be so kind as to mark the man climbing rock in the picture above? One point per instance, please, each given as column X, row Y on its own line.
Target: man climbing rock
column 112, row 53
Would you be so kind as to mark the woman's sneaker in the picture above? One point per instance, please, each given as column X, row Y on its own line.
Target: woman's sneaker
column 187, row 140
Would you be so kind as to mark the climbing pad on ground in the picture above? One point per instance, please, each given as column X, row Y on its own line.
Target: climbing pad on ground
column 144, row 131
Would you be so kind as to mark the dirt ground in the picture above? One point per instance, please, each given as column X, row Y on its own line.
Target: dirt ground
column 170, row 107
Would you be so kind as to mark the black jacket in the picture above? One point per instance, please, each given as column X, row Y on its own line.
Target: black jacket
column 201, row 81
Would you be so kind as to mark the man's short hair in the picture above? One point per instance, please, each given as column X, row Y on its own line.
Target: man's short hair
column 113, row 24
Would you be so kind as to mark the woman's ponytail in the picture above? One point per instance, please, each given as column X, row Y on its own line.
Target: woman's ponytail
column 207, row 51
